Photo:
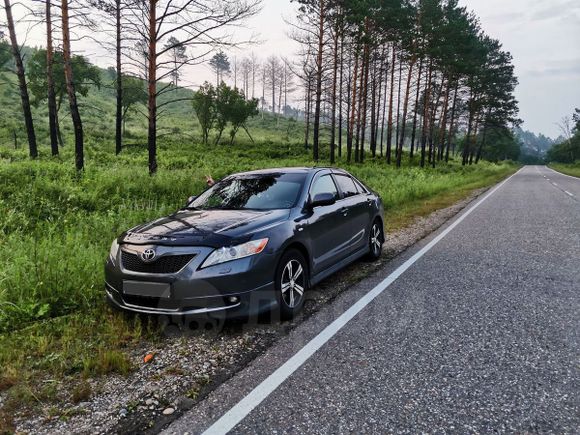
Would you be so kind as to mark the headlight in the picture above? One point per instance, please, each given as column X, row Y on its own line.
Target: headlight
column 235, row 252
column 114, row 250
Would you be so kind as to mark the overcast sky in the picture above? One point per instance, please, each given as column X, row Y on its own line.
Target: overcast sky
column 542, row 35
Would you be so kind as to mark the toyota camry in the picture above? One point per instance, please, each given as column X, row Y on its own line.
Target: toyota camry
column 252, row 242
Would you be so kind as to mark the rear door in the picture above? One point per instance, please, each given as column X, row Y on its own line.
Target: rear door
column 327, row 239
column 355, row 212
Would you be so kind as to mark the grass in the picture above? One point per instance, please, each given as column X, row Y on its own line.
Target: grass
column 572, row 169
column 56, row 228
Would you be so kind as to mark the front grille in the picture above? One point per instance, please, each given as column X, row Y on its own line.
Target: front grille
column 166, row 264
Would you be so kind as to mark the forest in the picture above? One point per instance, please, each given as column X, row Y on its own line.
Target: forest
column 379, row 77
column 411, row 96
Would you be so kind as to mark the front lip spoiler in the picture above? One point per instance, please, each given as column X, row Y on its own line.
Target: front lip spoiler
column 176, row 312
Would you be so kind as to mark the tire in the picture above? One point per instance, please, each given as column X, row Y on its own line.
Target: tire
column 376, row 240
column 290, row 289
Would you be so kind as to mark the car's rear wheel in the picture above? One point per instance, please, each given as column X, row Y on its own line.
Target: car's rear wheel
column 291, row 283
column 376, row 240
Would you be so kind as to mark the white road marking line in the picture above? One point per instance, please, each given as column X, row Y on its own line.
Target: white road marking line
column 555, row 184
column 240, row 410
column 568, row 193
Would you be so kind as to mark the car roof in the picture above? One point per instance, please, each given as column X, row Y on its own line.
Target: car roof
column 291, row 170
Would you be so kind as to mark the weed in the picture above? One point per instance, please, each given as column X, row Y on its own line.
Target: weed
column 81, row 392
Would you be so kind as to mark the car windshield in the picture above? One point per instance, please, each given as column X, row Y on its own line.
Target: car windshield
column 252, row 192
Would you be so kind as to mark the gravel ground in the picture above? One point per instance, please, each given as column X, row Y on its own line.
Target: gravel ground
column 188, row 365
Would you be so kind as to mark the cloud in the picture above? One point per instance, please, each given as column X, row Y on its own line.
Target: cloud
column 563, row 68
column 561, row 9
column 510, row 17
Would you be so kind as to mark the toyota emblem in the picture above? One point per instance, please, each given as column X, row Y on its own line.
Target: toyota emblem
column 148, row 255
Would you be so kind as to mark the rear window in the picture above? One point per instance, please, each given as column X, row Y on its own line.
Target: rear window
column 347, row 185
column 360, row 186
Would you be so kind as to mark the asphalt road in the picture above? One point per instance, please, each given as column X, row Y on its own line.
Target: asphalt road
column 480, row 334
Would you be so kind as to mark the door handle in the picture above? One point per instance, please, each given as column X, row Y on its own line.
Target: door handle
column 344, row 211
column 369, row 202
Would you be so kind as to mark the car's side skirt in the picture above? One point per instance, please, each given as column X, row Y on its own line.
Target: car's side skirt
column 336, row 267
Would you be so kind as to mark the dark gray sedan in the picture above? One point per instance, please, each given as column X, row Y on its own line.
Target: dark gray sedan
column 253, row 242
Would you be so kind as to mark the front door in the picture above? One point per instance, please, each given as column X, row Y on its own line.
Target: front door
column 324, row 230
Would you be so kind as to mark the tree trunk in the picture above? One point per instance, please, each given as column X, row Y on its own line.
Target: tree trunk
column 468, row 136
column 443, row 123
column 399, row 152
column 373, row 143
column 364, row 101
column 427, row 99
column 152, row 88
column 340, row 97
column 70, row 87
column 405, row 108
column 360, row 103
column 482, row 144
column 379, row 101
column 471, row 151
column 308, row 110
column 333, row 97
column 316, row 129
column 119, row 127
column 433, row 116
column 353, row 108
column 415, row 110
column 390, row 121
column 452, row 122
column 273, row 79
column 52, row 116
column 386, row 72
column 25, row 100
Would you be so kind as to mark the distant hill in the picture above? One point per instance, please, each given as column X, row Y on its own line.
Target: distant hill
column 533, row 148
column 177, row 119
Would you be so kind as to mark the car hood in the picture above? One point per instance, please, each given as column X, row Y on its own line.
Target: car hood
column 205, row 227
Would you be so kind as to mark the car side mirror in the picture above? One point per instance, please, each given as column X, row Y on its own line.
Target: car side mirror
column 321, row 199
column 190, row 200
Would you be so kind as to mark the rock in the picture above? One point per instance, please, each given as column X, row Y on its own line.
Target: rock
column 149, row 402
column 185, row 403
column 123, row 413
column 168, row 411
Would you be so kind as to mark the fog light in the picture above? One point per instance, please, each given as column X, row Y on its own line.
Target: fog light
column 233, row 299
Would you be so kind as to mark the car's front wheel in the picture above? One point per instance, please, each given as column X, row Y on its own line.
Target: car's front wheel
column 376, row 240
column 291, row 283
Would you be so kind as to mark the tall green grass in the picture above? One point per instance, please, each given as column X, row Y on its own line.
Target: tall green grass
column 572, row 169
column 56, row 226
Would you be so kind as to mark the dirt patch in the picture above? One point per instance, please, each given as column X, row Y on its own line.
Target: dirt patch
column 188, row 364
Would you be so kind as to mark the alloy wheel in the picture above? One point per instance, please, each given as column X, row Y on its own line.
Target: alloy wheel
column 292, row 283
column 376, row 243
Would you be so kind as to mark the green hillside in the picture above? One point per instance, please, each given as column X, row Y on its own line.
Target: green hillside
column 177, row 119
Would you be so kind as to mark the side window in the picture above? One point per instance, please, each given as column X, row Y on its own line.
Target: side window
column 324, row 184
column 346, row 185
column 360, row 187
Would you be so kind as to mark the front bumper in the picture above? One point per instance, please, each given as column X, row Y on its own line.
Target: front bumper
column 239, row 288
